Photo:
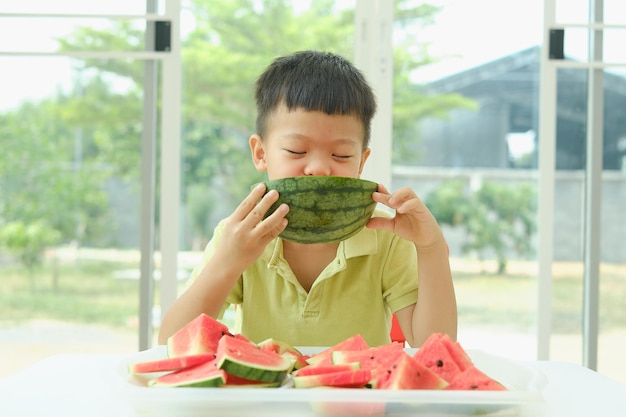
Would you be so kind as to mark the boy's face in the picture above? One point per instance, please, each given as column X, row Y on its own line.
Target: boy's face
column 301, row 142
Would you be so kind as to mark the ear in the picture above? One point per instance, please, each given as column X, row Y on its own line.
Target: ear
column 258, row 152
column 366, row 154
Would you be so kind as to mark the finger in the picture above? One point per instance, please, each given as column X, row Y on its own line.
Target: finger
column 274, row 224
column 383, row 189
column 380, row 223
column 260, row 210
column 249, row 203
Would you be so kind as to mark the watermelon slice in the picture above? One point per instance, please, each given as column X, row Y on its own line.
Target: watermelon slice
column 443, row 356
column 408, row 373
column 327, row 369
column 343, row 379
column 378, row 359
column 356, row 342
column 474, row 379
column 201, row 335
column 233, row 381
column 169, row 364
column 245, row 360
column 278, row 346
column 203, row 375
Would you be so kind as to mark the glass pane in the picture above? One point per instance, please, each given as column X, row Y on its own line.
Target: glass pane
column 473, row 158
column 75, row 7
column 46, row 34
column 614, row 46
column 572, row 11
column 614, row 12
column 69, row 208
column 568, row 284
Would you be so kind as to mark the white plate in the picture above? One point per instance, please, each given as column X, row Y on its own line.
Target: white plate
column 522, row 399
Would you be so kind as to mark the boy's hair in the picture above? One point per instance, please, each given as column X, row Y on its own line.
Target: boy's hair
column 315, row 81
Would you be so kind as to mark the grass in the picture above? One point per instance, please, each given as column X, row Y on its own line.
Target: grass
column 87, row 292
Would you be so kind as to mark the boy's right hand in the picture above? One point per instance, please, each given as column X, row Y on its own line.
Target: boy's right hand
column 246, row 232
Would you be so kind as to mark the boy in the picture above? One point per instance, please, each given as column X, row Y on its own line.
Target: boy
column 314, row 114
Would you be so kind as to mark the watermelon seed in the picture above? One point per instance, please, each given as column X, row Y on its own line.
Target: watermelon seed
column 439, row 363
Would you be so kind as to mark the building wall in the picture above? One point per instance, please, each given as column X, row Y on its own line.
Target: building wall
column 569, row 205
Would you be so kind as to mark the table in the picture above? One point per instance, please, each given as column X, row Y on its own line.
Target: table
column 78, row 385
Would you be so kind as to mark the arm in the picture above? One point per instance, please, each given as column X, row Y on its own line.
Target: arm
column 243, row 239
column 435, row 310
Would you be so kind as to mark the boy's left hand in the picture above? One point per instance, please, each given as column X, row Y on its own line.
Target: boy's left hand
column 413, row 221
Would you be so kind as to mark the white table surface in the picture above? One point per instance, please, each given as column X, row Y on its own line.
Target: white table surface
column 80, row 385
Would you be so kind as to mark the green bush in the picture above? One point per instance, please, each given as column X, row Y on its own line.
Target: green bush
column 496, row 217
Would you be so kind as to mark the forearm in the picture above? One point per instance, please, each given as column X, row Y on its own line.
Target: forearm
column 206, row 294
column 436, row 310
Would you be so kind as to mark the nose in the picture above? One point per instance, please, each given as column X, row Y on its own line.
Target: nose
column 317, row 168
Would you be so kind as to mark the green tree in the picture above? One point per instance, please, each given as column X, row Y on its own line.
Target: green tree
column 232, row 41
column 28, row 242
column 40, row 176
column 496, row 217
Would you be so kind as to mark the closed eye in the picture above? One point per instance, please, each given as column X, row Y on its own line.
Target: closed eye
column 342, row 156
column 294, row 152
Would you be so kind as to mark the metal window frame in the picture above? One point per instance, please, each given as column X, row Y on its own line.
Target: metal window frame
column 595, row 65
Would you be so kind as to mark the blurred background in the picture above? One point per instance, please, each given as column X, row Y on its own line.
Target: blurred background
column 124, row 129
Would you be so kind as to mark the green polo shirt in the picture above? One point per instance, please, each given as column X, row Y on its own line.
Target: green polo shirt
column 373, row 274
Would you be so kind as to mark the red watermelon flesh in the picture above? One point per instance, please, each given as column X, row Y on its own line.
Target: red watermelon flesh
column 201, row 335
column 474, row 379
column 235, row 381
column 326, row 369
column 356, row 342
column 408, row 373
column 203, row 375
column 169, row 364
column 344, row 379
column 442, row 356
column 378, row 359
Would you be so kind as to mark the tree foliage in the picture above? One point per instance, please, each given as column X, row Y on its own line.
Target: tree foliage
column 496, row 217
column 229, row 45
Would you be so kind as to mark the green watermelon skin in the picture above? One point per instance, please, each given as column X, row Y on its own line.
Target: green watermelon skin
column 323, row 209
column 201, row 335
column 199, row 376
column 169, row 364
column 244, row 359
column 407, row 373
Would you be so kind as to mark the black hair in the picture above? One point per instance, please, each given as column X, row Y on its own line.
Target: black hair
column 315, row 81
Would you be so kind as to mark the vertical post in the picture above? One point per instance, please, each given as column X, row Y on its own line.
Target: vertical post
column 148, row 163
column 547, row 155
column 170, row 161
column 374, row 56
column 593, row 188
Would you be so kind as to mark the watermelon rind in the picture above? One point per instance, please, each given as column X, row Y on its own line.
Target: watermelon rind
column 323, row 209
column 244, row 359
column 203, row 375
column 250, row 370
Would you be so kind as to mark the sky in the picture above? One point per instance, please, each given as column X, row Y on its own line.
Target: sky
column 475, row 31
